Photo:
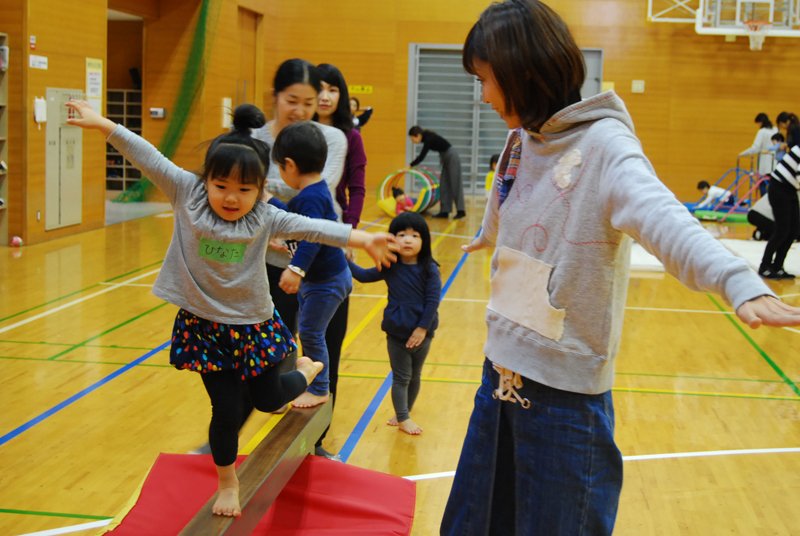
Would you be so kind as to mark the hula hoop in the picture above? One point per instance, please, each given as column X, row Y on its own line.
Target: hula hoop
column 428, row 194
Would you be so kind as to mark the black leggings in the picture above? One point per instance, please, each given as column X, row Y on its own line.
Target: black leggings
column 232, row 400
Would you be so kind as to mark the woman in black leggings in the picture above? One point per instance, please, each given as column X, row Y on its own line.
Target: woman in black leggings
column 783, row 186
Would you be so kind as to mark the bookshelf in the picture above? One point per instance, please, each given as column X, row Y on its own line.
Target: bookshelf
column 4, row 55
column 123, row 106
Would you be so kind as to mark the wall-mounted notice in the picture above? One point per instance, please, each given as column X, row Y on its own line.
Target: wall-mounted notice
column 37, row 62
column 94, row 83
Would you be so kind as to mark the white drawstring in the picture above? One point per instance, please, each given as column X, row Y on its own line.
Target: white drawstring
column 507, row 387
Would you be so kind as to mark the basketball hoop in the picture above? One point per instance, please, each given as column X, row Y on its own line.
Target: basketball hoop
column 756, row 31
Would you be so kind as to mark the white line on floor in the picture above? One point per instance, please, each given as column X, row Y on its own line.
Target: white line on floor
column 74, row 302
column 73, row 528
column 641, row 457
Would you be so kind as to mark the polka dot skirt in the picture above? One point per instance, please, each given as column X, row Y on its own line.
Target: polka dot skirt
column 205, row 346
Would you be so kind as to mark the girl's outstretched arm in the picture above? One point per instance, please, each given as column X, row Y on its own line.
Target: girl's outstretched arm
column 365, row 275
column 88, row 118
column 380, row 246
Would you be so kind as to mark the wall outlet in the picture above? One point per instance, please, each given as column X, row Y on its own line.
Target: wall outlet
column 637, row 86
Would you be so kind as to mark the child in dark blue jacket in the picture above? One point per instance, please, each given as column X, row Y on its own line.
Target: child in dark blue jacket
column 410, row 317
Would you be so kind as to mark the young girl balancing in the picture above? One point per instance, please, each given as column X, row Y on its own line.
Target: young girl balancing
column 410, row 317
column 572, row 184
column 226, row 328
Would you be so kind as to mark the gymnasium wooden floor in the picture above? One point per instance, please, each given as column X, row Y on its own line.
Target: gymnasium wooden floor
column 708, row 412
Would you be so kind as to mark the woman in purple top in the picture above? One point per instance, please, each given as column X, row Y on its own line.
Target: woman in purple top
column 333, row 110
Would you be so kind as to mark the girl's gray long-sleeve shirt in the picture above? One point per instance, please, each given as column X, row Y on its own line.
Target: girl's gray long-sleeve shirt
column 215, row 268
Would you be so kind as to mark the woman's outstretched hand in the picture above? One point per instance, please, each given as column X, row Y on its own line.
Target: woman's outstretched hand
column 478, row 243
column 381, row 247
column 768, row 311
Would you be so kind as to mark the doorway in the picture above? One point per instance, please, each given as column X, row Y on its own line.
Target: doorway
column 123, row 93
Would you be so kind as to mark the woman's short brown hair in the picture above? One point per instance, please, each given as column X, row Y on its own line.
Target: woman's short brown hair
column 536, row 62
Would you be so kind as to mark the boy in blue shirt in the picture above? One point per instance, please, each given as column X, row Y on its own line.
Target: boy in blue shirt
column 318, row 274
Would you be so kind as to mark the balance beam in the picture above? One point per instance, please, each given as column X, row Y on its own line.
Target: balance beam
column 265, row 472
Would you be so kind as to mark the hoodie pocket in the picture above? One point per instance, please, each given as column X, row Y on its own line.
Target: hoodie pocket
column 519, row 293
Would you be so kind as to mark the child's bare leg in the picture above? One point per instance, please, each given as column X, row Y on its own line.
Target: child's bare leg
column 410, row 427
column 309, row 368
column 227, row 503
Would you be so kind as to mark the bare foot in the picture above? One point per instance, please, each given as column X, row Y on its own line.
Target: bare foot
column 392, row 421
column 410, row 427
column 227, row 503
column 307, row 400
column 309, row 369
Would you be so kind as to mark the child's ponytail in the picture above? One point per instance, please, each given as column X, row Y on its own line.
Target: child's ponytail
column 237, row 151
column 247, row 117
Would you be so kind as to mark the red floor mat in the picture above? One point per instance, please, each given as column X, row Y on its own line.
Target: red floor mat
column 323, row 498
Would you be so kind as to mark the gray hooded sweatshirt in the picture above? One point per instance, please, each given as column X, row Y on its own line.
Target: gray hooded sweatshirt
column 560, row 270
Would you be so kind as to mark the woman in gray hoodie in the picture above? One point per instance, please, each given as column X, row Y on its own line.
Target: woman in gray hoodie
column 573, row 186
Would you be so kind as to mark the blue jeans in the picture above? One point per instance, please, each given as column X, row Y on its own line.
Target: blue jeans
column 318, row 302
column 550, row 470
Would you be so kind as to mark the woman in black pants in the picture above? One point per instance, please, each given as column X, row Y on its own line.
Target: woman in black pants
column 783, row 186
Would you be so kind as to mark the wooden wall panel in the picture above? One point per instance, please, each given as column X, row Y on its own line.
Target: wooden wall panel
column 66, row 37
column 694, row 117
column 124, row 53
column 167, row 45
column 166, row 49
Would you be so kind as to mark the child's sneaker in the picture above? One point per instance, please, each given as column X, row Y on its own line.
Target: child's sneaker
column 781, row 274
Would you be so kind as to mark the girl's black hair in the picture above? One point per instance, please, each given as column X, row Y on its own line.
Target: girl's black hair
column 295, row 71
column 763, row 119
column 533, row 56
column 416, row 130
column 412, row 220
column 342, row 118
column 237, row 151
